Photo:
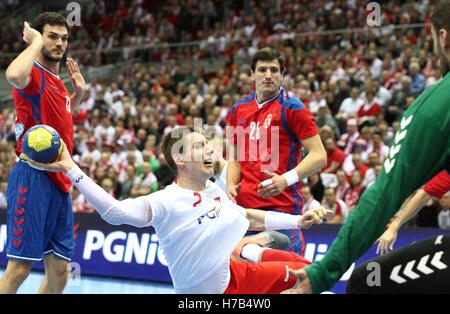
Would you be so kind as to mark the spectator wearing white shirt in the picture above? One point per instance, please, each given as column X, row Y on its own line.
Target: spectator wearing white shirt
column 375, row 64
column 382, row 94
column 370, row 176
column 317, row 102
column 337, row 206
column 377, row 145
column 310, row 202
column 348, row 140
column 92, row 150
column 351, row 105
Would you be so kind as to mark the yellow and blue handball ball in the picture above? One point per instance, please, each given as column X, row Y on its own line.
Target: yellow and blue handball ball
column 42, row 143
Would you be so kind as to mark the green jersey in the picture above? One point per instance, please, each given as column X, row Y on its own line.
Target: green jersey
column 421, row 148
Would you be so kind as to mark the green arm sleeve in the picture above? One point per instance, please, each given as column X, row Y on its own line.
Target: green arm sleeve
column 419, row 151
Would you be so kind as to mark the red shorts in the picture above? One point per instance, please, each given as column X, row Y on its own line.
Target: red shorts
column 270, row 276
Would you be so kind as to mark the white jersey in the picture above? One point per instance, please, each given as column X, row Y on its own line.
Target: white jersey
column 197, row 232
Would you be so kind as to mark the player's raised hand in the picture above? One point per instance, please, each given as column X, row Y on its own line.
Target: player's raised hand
column 303, row 285
column 315, row 216
column 272, row 186
column 78, row 83
column 30, row 34
column 63, row 163
column 386, row 241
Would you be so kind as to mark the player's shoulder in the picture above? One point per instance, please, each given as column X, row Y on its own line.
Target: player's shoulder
column 432, row 105
column 247, row 99
column 162, row 196
column 288, row 100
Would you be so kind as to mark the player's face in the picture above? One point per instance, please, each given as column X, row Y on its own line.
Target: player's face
column 55, row 42
column 267, row 77
column 438, row 43
column 198, row 157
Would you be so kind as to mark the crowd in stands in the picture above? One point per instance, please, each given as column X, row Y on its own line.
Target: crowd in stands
column 357, row 85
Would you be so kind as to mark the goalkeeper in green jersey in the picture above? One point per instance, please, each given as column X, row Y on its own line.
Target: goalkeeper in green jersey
column 421, row 148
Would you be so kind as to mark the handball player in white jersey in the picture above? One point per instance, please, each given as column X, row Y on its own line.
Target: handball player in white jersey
column 197, row 226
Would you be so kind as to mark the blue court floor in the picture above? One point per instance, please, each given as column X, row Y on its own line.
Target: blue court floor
column 101, row 285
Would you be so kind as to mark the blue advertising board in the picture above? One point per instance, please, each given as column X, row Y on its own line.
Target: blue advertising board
column 132, row 253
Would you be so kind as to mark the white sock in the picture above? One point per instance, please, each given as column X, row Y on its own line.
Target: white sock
column 252, row 252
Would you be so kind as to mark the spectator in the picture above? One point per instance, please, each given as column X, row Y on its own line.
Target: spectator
column 418, row 80
column 397, row 104
column 350, row 106
column 370, row 109
column 348, row 139
column 343, row 184
column 382, row 94
column 337, row 206
column 354, row 163
column 370, row 176
column 92, row 150
column 310, row 202
column 377, row 145
column 145, row 182
column 325, row 118
column 335, row 157
column 354, row 191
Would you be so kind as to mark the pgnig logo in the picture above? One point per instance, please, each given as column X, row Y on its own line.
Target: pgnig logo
column 120, row 246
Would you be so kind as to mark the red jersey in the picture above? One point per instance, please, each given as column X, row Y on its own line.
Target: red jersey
column 267, row 137
column 44, row 101
column 337, row 155
column 438, row 185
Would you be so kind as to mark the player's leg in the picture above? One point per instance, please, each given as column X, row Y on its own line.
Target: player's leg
column 59, row 248
column 56, row 274
column 261, row 278
column 15, row 274
column 257, row 253
column 421, row 267
column 268, row 239
column 297, row 243
column 27, row 209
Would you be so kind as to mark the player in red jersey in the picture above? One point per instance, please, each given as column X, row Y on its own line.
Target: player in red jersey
column 40, row 217
column 268, row 129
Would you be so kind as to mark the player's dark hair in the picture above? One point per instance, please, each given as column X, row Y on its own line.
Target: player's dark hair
column 50, row 18
column 169, row 142
column 439, row 17
column 267, row 54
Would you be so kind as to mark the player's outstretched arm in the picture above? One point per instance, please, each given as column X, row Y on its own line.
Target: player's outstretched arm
column 269, row 220
column 136, row 212
column 412, row 206
column 20, row 68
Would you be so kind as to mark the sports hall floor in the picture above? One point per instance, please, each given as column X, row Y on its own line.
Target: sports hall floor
column 100, row 285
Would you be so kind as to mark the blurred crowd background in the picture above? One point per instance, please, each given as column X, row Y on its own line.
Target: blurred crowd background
column 356, row 80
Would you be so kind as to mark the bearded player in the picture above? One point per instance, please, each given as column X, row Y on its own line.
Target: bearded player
column 40, row 217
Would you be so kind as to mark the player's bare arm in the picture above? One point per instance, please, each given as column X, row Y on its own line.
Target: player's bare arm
column 314, row 161
column 387, row 240
column 266, row 220
column 134, row 212
column 19, row 70
column 78, row 83
column 233, row 175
